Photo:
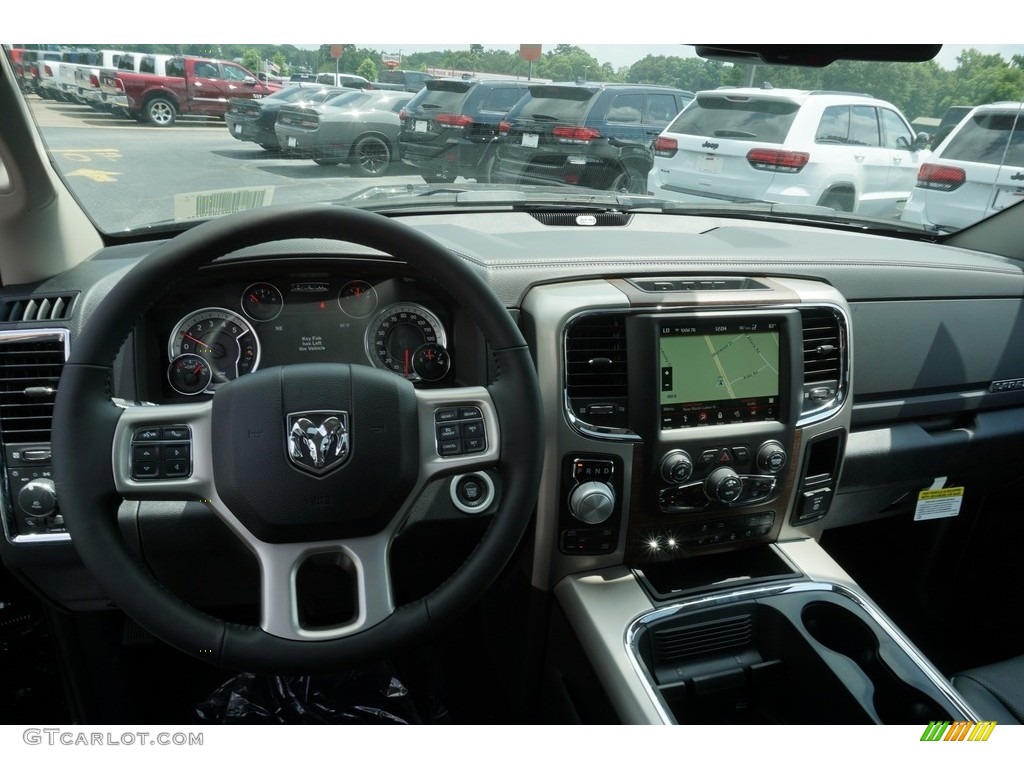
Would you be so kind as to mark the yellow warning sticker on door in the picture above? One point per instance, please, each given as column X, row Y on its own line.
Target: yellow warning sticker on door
column 939, row 502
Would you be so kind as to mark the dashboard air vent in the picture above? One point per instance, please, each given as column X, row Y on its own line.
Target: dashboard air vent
column 596, row 375
column 823, row 355
column 30, row 368
column 704, row 639
column 38, row 308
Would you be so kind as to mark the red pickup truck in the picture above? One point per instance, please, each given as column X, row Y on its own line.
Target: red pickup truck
column 189, row 86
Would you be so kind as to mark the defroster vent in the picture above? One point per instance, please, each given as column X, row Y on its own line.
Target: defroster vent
column 30, row 368
column 39, row 308
column 596, row 373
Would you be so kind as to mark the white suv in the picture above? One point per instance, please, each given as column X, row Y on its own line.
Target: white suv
column 845, row 151
column 977, row 170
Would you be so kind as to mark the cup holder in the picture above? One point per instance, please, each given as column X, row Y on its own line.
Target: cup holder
column 841, row 631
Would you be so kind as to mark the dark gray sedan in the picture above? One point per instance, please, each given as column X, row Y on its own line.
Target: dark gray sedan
column 359, row 128
column 253, row 119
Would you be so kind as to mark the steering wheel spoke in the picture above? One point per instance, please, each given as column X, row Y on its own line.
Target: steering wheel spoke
column 164, row 452
column 324, row 590
column 459, row 430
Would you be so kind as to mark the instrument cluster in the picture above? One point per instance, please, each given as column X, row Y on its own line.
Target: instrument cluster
column 219, row 329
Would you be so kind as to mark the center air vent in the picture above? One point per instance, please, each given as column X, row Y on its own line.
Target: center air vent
column 824, row 352
column 596, row 375
column 30, row 368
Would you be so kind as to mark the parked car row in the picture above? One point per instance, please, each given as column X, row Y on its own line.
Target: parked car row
column 580, row 134
column 153, row 88
column 327, row 124
column 849, row 152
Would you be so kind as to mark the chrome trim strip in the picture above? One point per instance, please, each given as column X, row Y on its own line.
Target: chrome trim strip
column 833, row 406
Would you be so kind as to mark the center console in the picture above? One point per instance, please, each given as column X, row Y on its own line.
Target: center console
column 701, row 426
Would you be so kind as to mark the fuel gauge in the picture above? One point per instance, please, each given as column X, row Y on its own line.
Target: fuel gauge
column 262, row 302
column 189, row 374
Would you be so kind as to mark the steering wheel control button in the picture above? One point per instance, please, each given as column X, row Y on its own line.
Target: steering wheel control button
column 449, row 448
column 448, row 432
column 145, row 470
column 175, row 468
column 460, row 430
column 145, row 453
column 161, row 452
column 472, row 493
column 474, row 444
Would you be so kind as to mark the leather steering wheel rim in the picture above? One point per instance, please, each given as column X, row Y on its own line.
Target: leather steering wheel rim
column 86, row 422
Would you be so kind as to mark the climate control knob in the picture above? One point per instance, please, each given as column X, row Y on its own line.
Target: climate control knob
column 771, row 457
column 676, row 467
column 592, row 502
column 38, row 498
column 723, row 485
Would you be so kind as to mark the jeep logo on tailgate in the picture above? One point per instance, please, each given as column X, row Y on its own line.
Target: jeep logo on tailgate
column 709, row 145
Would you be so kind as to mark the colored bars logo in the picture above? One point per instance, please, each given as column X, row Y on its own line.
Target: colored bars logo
column 944, row 730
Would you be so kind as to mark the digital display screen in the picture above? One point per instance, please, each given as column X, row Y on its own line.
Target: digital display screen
column 718, row 372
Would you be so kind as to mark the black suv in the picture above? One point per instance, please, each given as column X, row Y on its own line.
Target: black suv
column 595, row 135
column 448, row 127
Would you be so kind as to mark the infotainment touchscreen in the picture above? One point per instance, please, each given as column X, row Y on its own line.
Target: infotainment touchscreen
column 720, row 371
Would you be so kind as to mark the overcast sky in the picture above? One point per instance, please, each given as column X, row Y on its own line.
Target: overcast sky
column 622, row 55
column 618, row 33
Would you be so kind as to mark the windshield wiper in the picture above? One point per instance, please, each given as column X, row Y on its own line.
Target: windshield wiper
column 724, row 134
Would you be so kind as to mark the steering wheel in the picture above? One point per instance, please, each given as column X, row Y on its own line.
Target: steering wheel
column 339, row 484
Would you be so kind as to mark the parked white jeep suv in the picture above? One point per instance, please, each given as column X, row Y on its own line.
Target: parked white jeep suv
column 978, row 169
column 845, row 151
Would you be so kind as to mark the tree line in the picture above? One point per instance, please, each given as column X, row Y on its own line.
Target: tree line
column 919, row 90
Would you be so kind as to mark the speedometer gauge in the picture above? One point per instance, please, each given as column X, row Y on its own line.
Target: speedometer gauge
column 224, row 339
column 396, row 332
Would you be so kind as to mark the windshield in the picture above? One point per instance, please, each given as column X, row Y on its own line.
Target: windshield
column 927, row 147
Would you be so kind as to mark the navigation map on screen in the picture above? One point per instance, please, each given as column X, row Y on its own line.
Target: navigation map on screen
column 718, row 374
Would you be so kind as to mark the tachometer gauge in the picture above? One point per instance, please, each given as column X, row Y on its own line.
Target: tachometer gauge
column 262, row 302
column 224, row 339
column 189, row 374
column 397, row 332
